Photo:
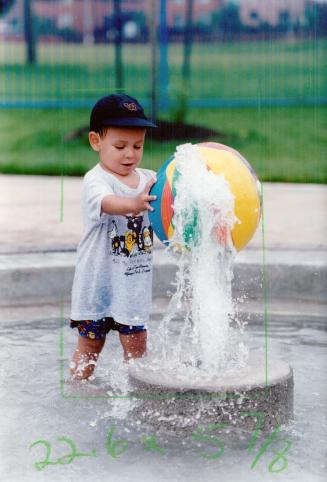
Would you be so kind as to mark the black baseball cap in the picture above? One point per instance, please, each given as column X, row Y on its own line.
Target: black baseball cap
column 118, row 110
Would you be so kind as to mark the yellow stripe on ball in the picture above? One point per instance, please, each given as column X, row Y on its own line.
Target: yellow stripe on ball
column 244, row 187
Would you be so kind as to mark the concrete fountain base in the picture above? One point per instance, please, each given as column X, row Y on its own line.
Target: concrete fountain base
column 165, row 401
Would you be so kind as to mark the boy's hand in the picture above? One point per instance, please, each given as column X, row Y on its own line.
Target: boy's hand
column 221, row 231
column 222, row 234
column 142, row 200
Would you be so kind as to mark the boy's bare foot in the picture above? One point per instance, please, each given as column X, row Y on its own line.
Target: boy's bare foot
column 85, row 358
column 134, row 345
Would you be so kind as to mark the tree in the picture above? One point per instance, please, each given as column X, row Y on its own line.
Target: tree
column 188, row 42
column 29, row 33
column 316, row 18
column 153, row 19
column 227, row 20
column 5, row 5
column 181, row 109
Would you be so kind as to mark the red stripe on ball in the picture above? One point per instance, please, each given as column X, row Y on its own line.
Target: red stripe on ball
column 166, row 207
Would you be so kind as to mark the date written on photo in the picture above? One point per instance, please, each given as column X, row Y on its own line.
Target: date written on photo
column 116, row 447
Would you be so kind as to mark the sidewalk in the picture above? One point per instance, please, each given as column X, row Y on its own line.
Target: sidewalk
column 40, row 227
column 295, row 215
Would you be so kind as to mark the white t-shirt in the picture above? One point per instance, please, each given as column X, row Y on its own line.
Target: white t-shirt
column 113, row 274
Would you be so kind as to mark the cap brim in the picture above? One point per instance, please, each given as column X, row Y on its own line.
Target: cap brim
column 128, row 122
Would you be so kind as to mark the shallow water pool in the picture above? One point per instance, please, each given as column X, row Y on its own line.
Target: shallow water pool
column 53, row 430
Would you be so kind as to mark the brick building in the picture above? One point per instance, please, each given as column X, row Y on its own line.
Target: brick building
column 87, row 18
column 254, row 12
column 88, row 15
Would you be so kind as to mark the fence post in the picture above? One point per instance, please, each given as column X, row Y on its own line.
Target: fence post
column 118, row 45
column 188, row 38
column 163, row 65
column 29, row 33
column 88, row 37
column 153, row 22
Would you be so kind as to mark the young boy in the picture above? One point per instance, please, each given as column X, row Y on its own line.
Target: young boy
column 112, row 287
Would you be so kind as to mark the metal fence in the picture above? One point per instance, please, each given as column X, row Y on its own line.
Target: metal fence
column 201, row 52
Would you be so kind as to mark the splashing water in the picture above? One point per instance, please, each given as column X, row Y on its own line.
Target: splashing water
column 203, row 219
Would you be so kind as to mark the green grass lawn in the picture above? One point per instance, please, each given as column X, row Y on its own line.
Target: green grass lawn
column 282, row 144
column 237, row 71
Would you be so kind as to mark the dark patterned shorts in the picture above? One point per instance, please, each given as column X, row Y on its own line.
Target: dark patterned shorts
column 98, row 329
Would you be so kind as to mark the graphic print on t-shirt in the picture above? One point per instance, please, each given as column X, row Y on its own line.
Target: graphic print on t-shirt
column 133, row 239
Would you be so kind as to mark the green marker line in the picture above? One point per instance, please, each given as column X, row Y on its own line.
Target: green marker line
column 61, row 215
column 263, row 247
column 176, row 395
column 264, row 289
column 61, row 379
column 61, row 347
column 168, row 396
column 61, row 332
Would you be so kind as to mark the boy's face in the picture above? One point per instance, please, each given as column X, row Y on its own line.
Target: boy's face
column 120, row 150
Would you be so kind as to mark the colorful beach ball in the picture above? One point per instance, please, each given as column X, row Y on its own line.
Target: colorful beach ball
column 243, row 183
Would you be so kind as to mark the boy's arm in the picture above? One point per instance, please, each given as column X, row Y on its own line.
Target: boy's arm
column 122, row 205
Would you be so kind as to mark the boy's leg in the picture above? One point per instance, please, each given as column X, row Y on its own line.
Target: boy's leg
column 85, row 357
column 134, row 344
